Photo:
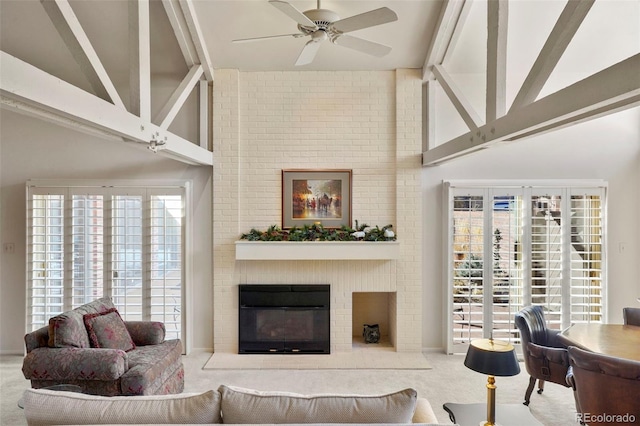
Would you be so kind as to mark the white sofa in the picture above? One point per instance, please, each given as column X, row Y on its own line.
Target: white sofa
column 228, row 404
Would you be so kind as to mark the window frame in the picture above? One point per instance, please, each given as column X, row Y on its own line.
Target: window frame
column 527, row 188
column 69, row 187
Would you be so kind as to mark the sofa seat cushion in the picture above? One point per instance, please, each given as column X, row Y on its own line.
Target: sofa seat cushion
column 47, row 407
column 249, row 406
column 68, row 329
column 150, row 367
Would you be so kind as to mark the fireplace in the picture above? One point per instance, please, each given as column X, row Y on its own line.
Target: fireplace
column 284, row 319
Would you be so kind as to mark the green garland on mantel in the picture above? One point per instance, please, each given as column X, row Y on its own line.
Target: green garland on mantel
column 320, row 233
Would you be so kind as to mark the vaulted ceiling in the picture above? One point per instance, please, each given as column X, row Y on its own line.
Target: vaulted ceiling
column 542, row 64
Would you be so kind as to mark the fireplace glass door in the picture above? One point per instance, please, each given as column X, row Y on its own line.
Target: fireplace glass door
column 282, row 323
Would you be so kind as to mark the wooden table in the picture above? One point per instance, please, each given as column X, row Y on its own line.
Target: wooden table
column 622, row 341
column 475, row 414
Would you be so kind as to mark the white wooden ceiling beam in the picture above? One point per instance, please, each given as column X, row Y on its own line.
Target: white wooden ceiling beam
column 429, row 88
column 139, row 59
column 74, row 36
column 563, row 31
column 168, row 113
column 181, row 31
column 496, row 96
column 203, row 112
column 454, row 37
column 448, row 19
column 460, row 102
column 197, row 38
column 610, row 90
column 23, row 83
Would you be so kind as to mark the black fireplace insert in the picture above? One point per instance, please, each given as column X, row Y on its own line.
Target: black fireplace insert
column 284, row 319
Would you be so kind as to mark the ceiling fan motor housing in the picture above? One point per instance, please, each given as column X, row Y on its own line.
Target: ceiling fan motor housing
column 323, row 18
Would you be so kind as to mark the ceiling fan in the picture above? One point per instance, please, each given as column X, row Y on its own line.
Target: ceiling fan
column 322, row 24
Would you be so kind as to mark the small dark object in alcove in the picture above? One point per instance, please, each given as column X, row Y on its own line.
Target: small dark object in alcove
column 371, row 333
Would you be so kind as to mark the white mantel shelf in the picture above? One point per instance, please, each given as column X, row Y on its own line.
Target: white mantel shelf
column 317, row 250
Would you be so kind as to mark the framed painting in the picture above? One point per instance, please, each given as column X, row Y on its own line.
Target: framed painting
column 321, row 197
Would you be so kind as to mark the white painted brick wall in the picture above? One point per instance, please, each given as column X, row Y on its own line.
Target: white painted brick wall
column 365, row 121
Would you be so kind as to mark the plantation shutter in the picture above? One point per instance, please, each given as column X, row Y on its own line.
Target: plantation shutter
column 89, row 242
column 513, row 246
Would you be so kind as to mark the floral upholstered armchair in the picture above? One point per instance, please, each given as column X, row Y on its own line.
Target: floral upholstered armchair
column 93, row 348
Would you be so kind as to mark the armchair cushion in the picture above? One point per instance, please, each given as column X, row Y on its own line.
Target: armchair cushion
column 107, row 330
column 68, row 364
column 151, row 367
column 68, row 329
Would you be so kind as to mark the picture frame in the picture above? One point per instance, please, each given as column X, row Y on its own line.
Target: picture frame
column 316, row 197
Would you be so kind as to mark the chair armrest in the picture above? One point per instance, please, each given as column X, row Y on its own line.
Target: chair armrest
column 74, row 364
column 37, row 339
column 555, row 355
column 553, row 339
column 146, row 332
column 424, row 412
column 547, row 363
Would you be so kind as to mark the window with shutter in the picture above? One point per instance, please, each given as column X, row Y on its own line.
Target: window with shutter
column 126, row 243
column 516, row 245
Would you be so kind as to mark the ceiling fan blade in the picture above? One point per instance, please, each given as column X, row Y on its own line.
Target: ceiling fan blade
column 293, row 13
column 364, row 46
column 308, row 53
column 247, row 40
column 365, row 20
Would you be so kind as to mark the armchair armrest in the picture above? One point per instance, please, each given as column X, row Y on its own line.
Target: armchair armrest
column 37, row 339
column 548, row 363
column 74, row 364
column 555, row 355
column 554, row 340
column 146, row 332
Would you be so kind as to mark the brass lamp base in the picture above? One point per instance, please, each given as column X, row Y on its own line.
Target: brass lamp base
column 491, row 401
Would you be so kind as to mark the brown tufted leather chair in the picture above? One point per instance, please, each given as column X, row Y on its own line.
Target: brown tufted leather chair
column 604, row 384
column 631, row 316
column 544, row 357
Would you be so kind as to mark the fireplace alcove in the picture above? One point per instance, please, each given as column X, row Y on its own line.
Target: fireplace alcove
column 284, row 319
column 373, row 308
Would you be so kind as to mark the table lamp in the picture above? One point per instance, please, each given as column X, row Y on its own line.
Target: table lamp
column 495, row 358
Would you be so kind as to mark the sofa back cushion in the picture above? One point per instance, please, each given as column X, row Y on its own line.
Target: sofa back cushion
column 68, row 329
column 48, row 407
column 249, row 406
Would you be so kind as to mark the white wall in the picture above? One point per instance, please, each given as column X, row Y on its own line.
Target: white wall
column 34, row 149
column 607, row 148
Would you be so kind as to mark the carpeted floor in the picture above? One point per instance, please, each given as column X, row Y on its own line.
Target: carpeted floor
column 448, row 380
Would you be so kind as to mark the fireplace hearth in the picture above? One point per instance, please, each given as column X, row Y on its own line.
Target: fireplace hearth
column 284, row 319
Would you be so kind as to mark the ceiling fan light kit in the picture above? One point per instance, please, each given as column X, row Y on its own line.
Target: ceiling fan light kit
column 322, row 24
